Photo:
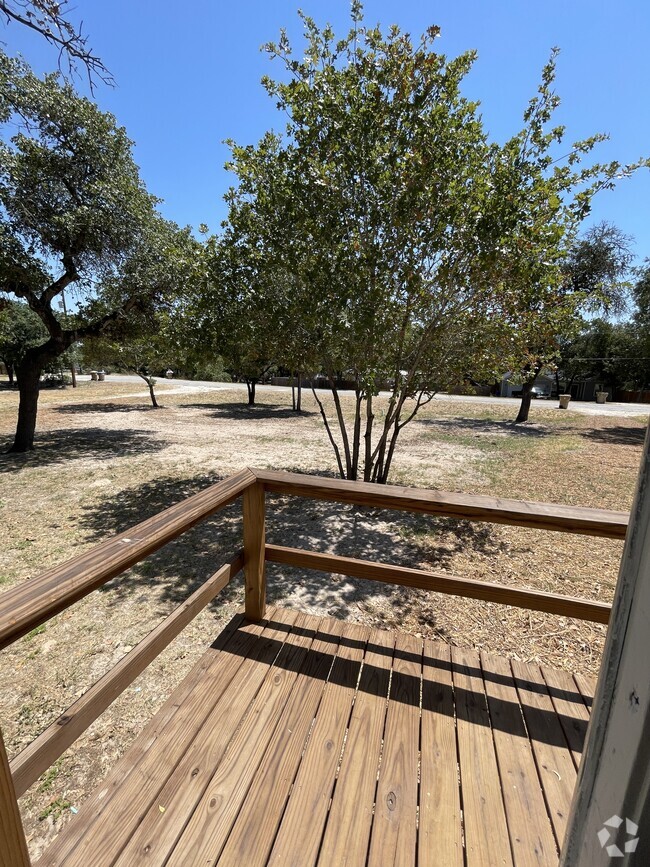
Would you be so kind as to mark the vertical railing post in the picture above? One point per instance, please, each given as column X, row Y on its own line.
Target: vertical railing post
column 254, row 542
column 13, row 846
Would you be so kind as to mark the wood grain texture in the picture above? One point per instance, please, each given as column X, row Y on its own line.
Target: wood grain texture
column 286, row 746
column 28, row 765
column 347, row 833
column 13, row 847
column 33, row 602
column 531, row 835
column 570, row 708
column 252, row 836
column 521, row 513
column 438, row 582
column 487, row 843
column 160, row 832
column 393, row 838
column 205, row 835
column 115, row 809
column 440, row 837
column 555, row 765
column 254, row 564
column 298, row 841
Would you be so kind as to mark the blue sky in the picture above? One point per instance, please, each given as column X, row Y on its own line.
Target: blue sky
column 188, row 76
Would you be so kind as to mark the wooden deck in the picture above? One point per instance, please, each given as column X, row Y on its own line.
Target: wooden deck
column 301, row 740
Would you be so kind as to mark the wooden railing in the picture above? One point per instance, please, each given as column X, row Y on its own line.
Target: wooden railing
column 37, row 600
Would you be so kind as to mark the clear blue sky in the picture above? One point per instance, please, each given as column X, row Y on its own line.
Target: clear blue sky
column 188, row 76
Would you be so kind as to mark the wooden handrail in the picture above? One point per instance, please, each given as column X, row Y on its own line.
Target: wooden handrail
column 521, row 513
column 535, row 600
column 35, row 601
column 36, row 758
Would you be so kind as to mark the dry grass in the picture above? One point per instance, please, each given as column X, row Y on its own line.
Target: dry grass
column 106, row 460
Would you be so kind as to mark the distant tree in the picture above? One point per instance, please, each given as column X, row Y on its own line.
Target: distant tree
column 547, row 313
column 74, row 213
column 51, row 19
column 20, row 329
column 641, row 295
column 552, row 277
column 614, row 353
column 233, row 312
column 141, row 351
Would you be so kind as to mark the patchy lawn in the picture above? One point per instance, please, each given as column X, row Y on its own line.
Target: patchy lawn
column 107, row 460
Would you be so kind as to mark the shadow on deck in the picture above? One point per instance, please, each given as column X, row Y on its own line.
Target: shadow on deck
column 304, row 740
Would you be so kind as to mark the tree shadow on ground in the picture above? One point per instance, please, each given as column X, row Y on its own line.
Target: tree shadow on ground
column 242, row 411
column 622, row 435
column 182, row 565
column 69, row 444
column 74, row 408
column 374, row 534
column 487, row 427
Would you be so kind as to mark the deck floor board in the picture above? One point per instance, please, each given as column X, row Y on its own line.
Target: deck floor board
column 350, row 817
column 303, row 740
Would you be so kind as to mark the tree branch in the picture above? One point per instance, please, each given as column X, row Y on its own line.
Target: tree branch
column 48, row 20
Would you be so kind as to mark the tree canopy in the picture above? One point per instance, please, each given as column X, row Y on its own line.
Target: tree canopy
column 382, row 237
column 74, row 215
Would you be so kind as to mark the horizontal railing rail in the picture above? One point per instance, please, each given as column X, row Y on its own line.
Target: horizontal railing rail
column 497, row 510
column 440, row 582
column 38, row 599
column 36, row 758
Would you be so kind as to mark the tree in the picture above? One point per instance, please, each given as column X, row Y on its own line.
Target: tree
column 20, row 329
column 364, row 228
column 541, row 200
column 376, row 228
column 141, row 355
column 233, row 312
column 548, row 315
column 50, row 19
column 614, row 353
column 74, row 213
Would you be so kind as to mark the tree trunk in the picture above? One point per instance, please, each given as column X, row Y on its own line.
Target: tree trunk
column 250, row 386
column 29, row 374
column 299, row 393
column 10, row 373
column 154, row 402
column 526, row 398
column 151, row 382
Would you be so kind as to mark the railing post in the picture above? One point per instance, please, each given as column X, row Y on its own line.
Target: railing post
column 254, row 542
column 13, row 846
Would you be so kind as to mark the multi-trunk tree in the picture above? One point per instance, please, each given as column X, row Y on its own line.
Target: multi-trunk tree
column 74, row 217
column 391, row 244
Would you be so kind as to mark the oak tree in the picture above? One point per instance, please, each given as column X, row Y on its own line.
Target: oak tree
column 76, row 217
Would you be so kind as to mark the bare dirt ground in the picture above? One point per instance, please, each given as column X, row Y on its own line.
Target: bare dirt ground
column 106, row 460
